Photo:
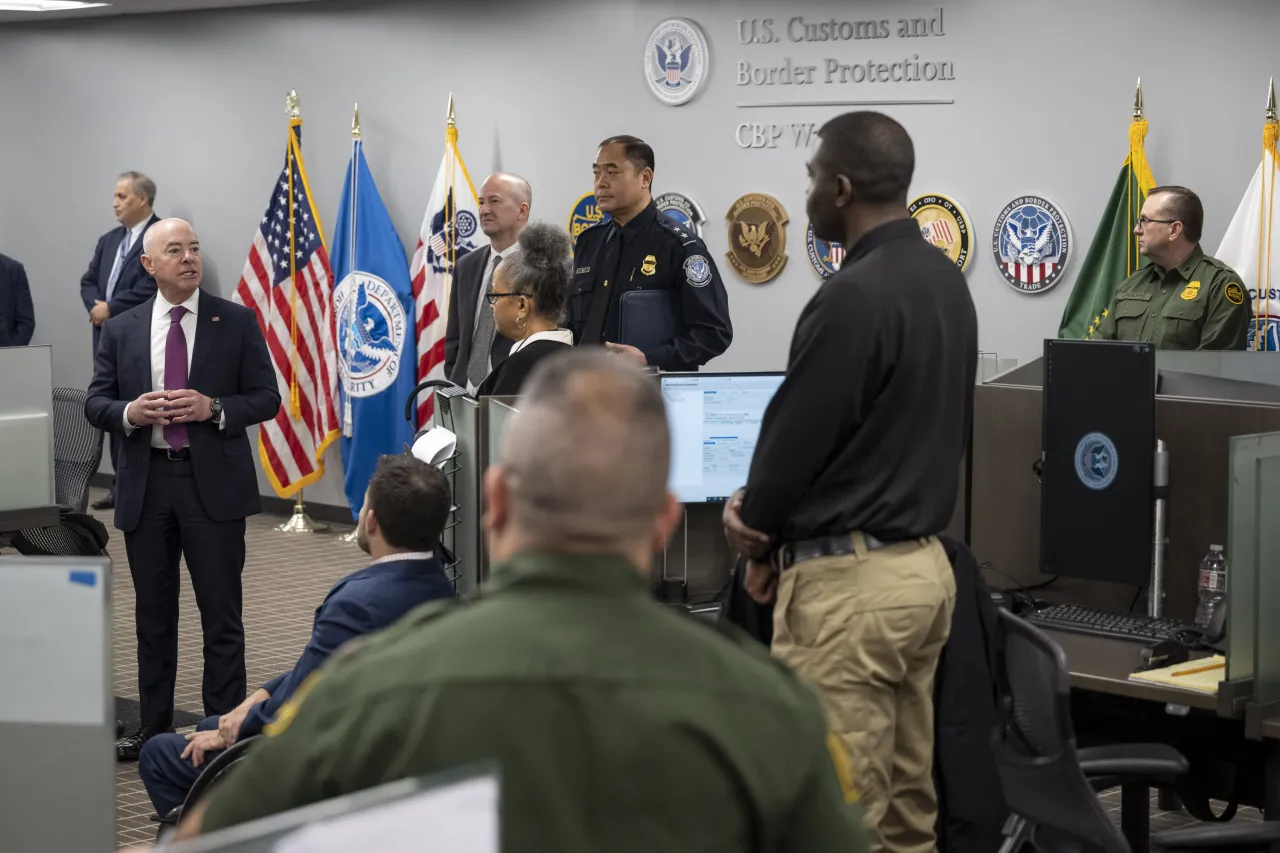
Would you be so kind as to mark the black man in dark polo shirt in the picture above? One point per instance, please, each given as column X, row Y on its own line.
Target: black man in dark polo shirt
column 856, row 471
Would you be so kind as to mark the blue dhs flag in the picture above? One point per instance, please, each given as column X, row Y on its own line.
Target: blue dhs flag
column 373, row 315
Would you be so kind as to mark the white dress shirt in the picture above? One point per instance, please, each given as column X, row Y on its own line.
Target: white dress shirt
column 404, row 555
column 564, row 336
column 486, row 284
column 160, row 321
column 134, row 234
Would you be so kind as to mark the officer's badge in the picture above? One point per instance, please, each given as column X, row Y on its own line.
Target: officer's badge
column 682, row 209
column 1234, row 293
column 675, row 60
column 757, row 238
column 1031, row 243
column 585, row 213
column 1192, row 291
column 823, row 256
column 650, row 265
column 944, row 224
column 697, row 270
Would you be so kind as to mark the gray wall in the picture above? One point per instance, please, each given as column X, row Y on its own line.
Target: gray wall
column 1042, row 95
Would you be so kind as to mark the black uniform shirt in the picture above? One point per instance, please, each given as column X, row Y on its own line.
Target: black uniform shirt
column 868, row 429
column 652, row 252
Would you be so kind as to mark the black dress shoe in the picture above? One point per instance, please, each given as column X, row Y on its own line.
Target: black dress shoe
column 129, row 748
column 109, row 502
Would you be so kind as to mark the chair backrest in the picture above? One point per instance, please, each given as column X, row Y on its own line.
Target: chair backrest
column 77, row 449
column 1035, row 746
column 76, row 535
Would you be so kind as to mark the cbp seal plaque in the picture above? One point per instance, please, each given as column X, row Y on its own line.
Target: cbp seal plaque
column 757, row 239
column 824, row 257
column 585, row 213
column 1096, row 461
column 675, row 60
column 682, row 209
column 1031, row 243
column 943, row 223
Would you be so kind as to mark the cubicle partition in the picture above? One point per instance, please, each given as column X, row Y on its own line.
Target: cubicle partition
column 1004, row 490
column 26, row 434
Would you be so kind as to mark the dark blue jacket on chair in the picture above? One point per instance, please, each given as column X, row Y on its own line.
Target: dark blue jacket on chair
column 361, row 603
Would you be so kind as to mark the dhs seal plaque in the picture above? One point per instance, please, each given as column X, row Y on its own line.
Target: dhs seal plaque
column 585, row 213
column 675, row 60
column 757, row 238
column 824, row 257
column 1096, row 461
column 1031, row 243
column 944, row 224
column 682, row 209
column 371, row 333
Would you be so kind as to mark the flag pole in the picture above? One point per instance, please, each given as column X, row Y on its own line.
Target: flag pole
column 1266, row 203
column 299, row 522
column 355, row 136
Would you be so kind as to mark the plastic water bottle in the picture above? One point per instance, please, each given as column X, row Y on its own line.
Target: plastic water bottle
column 1213, row 585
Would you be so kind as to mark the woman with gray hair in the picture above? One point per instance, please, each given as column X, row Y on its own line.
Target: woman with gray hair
column 527, row 295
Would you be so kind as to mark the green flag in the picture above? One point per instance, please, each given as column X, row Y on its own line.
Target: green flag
column 1113, row 254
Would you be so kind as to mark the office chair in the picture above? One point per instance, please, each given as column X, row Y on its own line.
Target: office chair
column 1051, row 786
column 77, row 449
column 76, row 535
column 214, row 772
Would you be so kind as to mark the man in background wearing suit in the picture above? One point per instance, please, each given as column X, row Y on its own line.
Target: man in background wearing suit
column 471, row 346
column 180, row 378
column 17, row 317
column 115, row 280
column 405, row 510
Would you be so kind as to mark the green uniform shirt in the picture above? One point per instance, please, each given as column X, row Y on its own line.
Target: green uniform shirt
column 618, row 723
column 1197, row 305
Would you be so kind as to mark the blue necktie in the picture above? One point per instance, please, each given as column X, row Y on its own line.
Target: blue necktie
column 115, row 270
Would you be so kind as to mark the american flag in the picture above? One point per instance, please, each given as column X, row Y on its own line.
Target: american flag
column 288, row 283
column 450, row 229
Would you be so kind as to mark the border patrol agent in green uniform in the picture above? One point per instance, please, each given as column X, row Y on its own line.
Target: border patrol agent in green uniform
column 1183, row 299
column 618, row 723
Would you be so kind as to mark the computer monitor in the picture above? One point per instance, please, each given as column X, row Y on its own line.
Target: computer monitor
column 1098, row 445
column 715, row 420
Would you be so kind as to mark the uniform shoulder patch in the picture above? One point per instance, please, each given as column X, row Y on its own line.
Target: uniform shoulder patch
column 697, row 270
column 1234, row 293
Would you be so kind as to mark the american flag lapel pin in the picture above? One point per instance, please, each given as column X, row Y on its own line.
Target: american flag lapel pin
column 215, row 318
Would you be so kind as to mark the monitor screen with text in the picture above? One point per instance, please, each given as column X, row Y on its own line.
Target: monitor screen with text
column 715, row 420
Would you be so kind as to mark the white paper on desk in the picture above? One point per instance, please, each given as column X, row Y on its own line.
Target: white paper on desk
column 457, row 818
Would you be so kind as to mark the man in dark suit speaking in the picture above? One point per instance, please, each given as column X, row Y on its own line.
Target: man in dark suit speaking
column 180, row 377
column 472, row 347
column 115, row 280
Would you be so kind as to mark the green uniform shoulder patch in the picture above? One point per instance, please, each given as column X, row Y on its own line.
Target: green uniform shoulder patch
column 1234, row 293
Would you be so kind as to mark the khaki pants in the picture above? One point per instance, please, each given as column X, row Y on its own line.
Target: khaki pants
column 866, row 629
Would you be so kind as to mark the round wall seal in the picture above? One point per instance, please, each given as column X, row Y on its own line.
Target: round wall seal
column 824, row 257
column 944, row 224
column 586, row 212
column 682, row 209
column 1031, row 243
column 676, row 60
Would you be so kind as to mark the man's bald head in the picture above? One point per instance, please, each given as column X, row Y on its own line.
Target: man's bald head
column 505, row 200
column 171, row 254
column 585, row 462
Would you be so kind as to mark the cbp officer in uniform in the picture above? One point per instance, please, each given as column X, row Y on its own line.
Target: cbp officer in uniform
column 616, row 723
column 1183, row 299
column 644, row 285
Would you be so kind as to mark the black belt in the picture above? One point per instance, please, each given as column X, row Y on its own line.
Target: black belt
column 181, row 455
column 790, row 553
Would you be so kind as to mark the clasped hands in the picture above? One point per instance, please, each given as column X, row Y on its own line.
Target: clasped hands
column 761, row 581
column 161, row 408
column 225, row 735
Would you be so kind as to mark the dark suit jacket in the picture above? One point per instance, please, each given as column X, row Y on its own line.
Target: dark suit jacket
column 361, row 603
column 507, row 378
column 463, row 299
column 133, row 287
column 17, row 317
column 229, row 362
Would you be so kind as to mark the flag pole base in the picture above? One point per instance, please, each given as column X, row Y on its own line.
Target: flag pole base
column 300, row 522
column 350, row 537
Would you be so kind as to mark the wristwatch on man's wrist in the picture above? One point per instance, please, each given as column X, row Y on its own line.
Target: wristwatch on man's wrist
column 215, row 410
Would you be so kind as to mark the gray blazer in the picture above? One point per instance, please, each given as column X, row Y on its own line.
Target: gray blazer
column 463, row 299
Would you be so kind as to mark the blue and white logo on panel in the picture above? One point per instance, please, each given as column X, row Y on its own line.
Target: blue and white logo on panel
column 1096, row 461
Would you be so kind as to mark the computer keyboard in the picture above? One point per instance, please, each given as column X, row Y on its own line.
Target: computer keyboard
column 1119, row 626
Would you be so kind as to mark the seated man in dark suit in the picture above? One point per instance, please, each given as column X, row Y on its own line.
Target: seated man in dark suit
column 17, row 317
column 404, row 512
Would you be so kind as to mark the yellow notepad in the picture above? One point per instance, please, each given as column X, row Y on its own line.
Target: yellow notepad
column 1201, row 675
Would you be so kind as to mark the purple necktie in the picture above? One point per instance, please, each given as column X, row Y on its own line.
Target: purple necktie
column 175, row 372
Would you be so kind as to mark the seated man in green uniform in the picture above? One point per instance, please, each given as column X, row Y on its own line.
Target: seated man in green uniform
column 1183, row 299
column 618, row 723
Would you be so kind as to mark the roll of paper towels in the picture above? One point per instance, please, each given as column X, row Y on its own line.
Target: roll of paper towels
column 435, row 446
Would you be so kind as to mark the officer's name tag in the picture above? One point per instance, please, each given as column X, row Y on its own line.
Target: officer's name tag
column 581, row 270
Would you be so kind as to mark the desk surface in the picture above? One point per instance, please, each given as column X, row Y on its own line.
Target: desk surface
column 12, row 520
column 1103, row 665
